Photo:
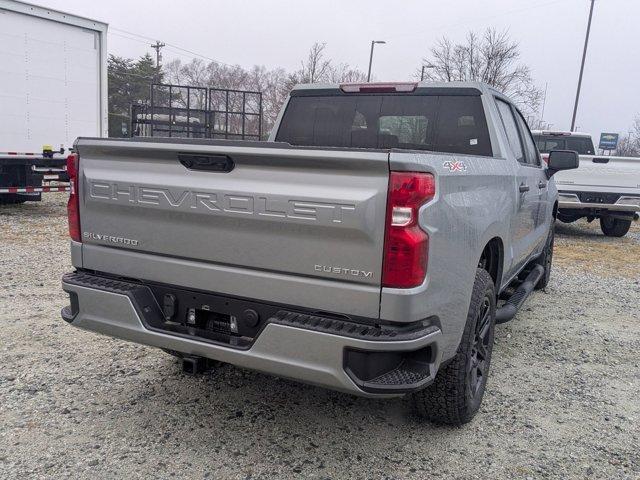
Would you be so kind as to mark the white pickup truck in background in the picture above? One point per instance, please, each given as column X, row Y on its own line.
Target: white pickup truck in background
column 604, row 187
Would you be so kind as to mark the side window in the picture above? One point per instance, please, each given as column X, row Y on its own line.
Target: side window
column 533, row 158
column 511, row 129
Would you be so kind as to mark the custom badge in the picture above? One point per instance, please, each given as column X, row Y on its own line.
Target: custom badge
column 455, row 166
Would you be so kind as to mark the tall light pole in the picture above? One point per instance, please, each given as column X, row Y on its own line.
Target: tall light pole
column 373, row 42
column 584, row 55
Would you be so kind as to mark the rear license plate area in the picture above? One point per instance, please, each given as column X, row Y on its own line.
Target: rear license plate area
column 212, row 321
column 207, row 317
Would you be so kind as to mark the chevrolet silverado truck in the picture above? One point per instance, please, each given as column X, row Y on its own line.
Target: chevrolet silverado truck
column 369, row 246
column 603, row 187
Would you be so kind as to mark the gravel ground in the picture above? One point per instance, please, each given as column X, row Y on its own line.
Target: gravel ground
column 562, row 399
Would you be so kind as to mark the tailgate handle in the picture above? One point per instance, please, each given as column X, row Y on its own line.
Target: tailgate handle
column 600, row 160
column 206, row 163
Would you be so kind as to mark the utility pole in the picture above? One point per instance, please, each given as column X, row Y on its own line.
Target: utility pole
column 584, row 55
column 373, row 42
column 157, row 47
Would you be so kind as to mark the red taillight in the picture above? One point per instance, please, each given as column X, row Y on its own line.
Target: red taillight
column 73, row 205
column 406, row 245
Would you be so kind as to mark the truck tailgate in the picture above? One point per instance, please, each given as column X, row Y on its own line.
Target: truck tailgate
column 297, row 212
column 602, row 174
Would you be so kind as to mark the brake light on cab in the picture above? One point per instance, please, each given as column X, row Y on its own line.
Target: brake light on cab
column 388, row 87
column 406, row 245
column 73, row 205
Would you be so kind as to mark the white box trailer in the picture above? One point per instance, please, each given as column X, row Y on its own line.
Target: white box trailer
column 53, row 89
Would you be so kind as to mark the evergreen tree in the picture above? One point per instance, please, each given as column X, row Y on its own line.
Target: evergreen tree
column 129, row 83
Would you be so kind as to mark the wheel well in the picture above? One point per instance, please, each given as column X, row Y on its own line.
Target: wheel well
column 491, row 259
column 555, row 210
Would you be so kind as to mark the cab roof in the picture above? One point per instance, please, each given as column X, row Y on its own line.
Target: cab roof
column 465, row 88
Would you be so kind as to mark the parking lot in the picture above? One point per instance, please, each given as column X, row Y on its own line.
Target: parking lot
column 562, row 399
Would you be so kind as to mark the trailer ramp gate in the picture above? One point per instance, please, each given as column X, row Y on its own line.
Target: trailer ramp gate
column 198, row 112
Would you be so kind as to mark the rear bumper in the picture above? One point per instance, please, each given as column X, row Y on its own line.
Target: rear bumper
column 624, row 203
column 323, row 352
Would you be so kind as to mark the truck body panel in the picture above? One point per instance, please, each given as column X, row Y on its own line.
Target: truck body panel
column 52, row 78
column 53, row 88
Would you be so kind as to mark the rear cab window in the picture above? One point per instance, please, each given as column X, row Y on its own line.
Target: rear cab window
column 581, row 144
column 438, row 123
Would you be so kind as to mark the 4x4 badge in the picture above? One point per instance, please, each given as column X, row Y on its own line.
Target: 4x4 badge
column 455, row 166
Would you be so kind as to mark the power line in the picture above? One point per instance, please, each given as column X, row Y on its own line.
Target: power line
column 176, row 53
column 147, row 39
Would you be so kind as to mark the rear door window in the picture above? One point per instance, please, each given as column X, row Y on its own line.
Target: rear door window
column 453, row 124
column 531, row 152
column 511, row 129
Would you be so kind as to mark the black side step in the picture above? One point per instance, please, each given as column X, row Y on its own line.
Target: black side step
column 507, row 311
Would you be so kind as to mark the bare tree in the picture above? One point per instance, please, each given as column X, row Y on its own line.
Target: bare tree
column 315, row 68
column 344, row 73
column 629, row 145
column 273, row 84
column 492, row 58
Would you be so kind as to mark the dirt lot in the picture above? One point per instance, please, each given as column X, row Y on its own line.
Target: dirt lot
column 562, row 401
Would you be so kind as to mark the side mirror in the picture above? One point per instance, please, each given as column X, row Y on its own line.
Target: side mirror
column 562, row 160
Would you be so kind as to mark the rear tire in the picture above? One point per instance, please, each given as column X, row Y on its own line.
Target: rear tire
column 614, row 227
column 456, row 393
column 546, row 259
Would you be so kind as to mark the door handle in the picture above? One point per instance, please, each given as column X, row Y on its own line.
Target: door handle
column 523, row 188
column 542, row 184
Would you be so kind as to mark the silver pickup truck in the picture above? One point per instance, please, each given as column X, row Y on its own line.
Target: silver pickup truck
column 369, row 246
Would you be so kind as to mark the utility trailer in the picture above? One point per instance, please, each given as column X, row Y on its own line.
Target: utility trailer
column 53, row 89
column 198, row 112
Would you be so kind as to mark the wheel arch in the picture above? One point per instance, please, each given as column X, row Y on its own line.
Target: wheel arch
column 492, row 260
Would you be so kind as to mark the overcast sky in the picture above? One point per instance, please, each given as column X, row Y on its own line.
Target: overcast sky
column 278, row 33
